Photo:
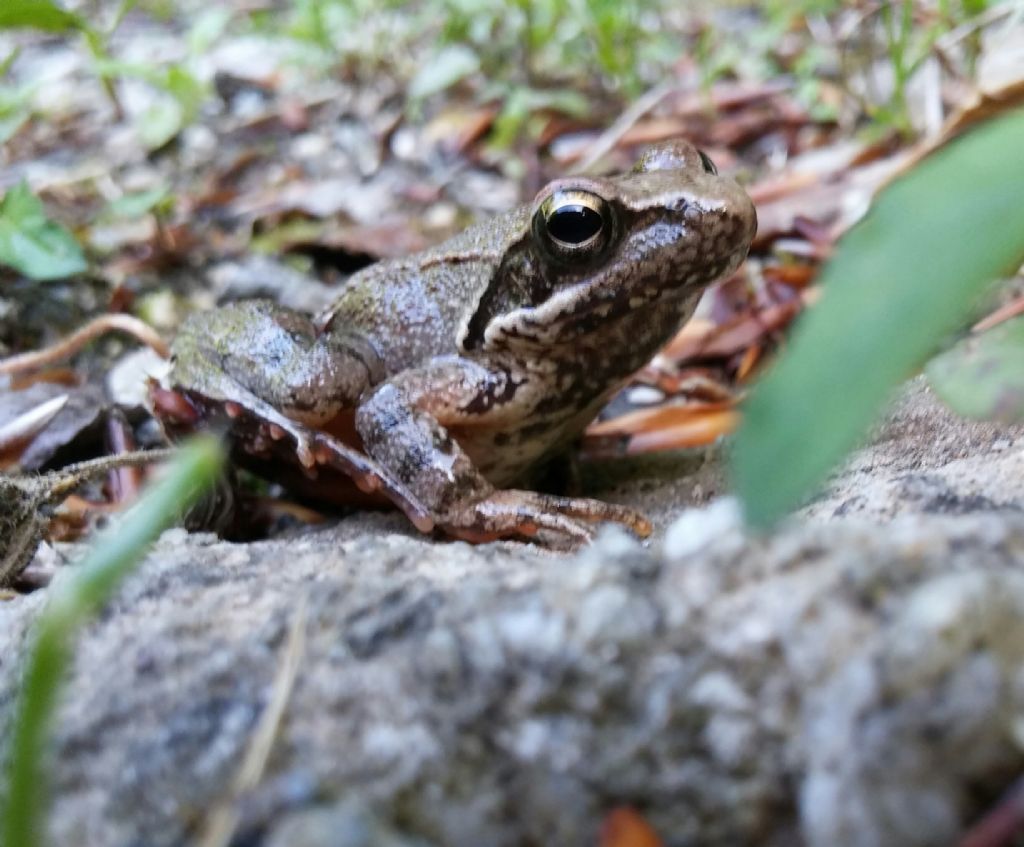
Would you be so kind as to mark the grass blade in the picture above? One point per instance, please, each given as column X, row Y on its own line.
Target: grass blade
column 900, row 281
column 109, row 559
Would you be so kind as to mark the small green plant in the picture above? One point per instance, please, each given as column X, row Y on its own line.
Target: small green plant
column 880, row 47
column 900, row 281
column 15, row 101
column 183, row 93
column 526, row 55
column 47, row 16
column 74, row 602
column 32, row 243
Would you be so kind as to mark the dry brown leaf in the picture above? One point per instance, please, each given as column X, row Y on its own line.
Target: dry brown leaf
column 795, row 276
column 736, row 335
column 456, row 130
column 653, row 419
column 626, row 827
column 693, row 383
column 654, row 430
column 698, row 431
column 17, row 434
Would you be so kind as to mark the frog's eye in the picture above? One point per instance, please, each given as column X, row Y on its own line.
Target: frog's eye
column 573, row 223
column 705, row 160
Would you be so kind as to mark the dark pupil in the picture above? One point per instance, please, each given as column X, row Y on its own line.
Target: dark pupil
column 574, row 223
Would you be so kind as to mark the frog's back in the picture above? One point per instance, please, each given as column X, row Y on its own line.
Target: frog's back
column 414, row 308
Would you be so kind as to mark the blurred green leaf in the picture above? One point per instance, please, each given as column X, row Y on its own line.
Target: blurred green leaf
column 983, row 376
column 73, row 602
column 108, row 67
column 208, row 26
column 183, row 86
column 39, row 14
column 15, row 109
column 450, row 65
column 137, row 204
column 161, row 122
column 900, row 280
column 522, row 102
column 10, row 123
column 123, row 8
column 32, row 243
column 8, row 62
column 166, row 116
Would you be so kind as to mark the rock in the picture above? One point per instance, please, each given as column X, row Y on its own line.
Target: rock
column 854, row 678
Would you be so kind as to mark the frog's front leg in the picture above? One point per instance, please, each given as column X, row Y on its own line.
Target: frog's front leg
column 403, row 426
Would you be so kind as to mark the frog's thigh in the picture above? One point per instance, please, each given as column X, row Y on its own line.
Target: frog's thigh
column 276, row 355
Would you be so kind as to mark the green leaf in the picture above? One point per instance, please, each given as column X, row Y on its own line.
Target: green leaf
column 900, row 281
column 11, row 122
column 167, row 116
column 8, row 63
column 132, row 206
column 109, row 559
column 207, row 28
column 187, row 90
column 39, row 14
column 160, row 123
column 447, row 67
column 32, row 243
column 983, row 376
column 522, row 102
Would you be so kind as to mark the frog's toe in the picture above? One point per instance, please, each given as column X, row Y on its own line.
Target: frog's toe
column 596, row 511
column 557, row 522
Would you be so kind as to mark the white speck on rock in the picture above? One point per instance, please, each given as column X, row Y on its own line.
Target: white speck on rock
column 534, row 630
column 731, row 739
column 389, row 742
column 611, row 614
column 720, row 691
column 695, row 529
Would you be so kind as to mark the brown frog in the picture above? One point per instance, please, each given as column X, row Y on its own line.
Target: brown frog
column 438, row 379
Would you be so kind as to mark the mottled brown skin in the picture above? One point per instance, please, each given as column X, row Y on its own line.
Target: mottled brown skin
column 466, row 365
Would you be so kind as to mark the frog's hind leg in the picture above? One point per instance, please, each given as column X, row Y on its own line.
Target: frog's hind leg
column 264, row 351
column 275, row 377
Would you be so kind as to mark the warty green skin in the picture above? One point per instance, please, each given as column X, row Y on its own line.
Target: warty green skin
column 468, row 364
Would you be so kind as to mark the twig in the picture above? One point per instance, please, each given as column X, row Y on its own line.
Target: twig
column 1003, row 313
column 15, row 434
column 607, row 140
column 71, row 476
column 223, row 819
column 67, row 347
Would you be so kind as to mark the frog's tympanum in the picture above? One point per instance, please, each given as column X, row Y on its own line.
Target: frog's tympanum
column 439, row 379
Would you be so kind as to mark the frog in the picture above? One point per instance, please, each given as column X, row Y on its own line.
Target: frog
column 439, row 381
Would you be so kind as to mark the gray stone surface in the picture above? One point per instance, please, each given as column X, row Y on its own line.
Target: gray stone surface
column 854, row 679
